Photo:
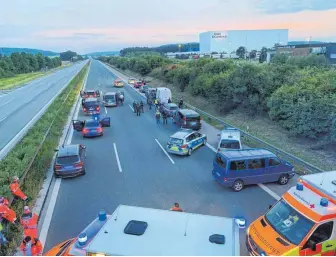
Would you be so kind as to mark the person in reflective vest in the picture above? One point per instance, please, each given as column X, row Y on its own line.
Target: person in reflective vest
column 6, row 212
column 29, row 223
column 176, row 208
column 31, row 246
column 3, row 239
column 16, row 190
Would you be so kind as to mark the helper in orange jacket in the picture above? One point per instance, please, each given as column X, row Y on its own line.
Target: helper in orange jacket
column 15, row 189
column 6, row 212
column 29, row 223
column 176, row 208
column 31, row 246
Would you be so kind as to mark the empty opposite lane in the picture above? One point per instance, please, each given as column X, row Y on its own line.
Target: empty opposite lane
column 19, row 107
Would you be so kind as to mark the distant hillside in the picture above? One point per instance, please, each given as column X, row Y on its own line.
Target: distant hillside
column 304, row 42
column 9, row 51
column 110, row 53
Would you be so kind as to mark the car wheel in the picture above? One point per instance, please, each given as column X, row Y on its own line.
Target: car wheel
column 283, row 179
column 238, row 185
column 205, row 141
column 84, row 172
column 56, row 176
column 189, row 151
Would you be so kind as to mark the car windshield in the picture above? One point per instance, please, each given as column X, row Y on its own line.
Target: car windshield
column 91, row 124
column 288, row 222
column 110, row 97
column 193, row 118
column 176, row 141
column 67, row 160
column 230, row 144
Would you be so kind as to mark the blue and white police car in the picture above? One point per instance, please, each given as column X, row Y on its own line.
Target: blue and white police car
column 185, row 141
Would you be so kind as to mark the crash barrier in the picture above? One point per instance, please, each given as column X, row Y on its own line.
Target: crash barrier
column 46, row 134
column 283, row 154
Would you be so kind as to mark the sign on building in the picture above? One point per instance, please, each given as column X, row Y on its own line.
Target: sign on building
column 219, row 35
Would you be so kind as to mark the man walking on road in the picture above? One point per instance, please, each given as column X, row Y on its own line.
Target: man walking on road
column 164, row 118
column 150, row 103
column 137, row 107
column 134, row 106
column 141, row 107
column 157, row 117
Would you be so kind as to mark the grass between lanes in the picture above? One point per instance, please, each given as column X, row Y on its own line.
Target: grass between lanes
column 20, row 79
column 18, row 159
column 260, row 127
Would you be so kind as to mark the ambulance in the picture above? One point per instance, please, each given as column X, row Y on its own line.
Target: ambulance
column 137, row 231
column 301, row 223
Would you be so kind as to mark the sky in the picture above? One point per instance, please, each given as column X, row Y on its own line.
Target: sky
column 88, row 26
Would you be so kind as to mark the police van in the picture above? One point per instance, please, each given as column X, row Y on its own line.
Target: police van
column 138, row 231
column 229, row 139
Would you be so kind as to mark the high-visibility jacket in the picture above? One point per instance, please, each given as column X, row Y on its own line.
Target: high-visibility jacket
column 176, row 209
column 156, row 101
column 33, row 248
column 16, row 191
column 29, row 224
column 7, row 213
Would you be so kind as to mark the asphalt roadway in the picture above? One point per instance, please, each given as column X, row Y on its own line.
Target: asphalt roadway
column 19, row 107
column 144, row 175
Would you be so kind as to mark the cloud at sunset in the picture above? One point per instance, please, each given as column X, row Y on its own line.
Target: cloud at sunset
column 85, row 25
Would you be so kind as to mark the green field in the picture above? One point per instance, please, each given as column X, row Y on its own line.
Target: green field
column 18, row 80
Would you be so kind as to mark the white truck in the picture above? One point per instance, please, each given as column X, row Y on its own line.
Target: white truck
column 229, row 139
column 163, row 94
column 138, row 231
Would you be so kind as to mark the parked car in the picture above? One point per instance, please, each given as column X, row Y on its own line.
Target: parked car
column 91, row 127
column 70, row 161
column 169, row 109
column 144, row 88
column 185, row 118
column 131, row 80
column 90, row 106
column 138, row 84
column 118, row 83
column 90, row 93
column 229, row 139
column 110, row 99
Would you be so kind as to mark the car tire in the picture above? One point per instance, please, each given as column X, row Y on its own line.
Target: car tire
column 205, row 141
column 189, row 151
column 84, row 172
column 56, row 176
column 238, row 185
column 283, row 179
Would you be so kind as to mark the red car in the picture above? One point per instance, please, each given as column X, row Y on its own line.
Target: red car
column 138, row 84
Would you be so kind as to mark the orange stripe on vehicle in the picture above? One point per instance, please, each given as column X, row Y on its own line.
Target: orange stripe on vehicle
column 315, row 190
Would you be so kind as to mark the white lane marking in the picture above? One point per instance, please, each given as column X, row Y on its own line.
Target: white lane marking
column 54, row 194
column 131, row 107
column 6, row 103
column 50, row 211
column 262, row 186
column 164, row 151
column 3, row 119
column 270, row 192
column 105, row 110
column 117, row 157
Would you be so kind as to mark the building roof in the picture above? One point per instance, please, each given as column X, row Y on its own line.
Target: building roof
column 247, row 153
column 68, row 150
column 167, row 233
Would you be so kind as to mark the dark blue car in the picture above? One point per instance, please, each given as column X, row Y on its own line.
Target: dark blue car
column 91, row 127
column 237, row 168
column 70, row 161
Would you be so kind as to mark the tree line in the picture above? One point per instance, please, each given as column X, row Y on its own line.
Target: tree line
column 18, row 63
column 298, row 92
column 171, row 48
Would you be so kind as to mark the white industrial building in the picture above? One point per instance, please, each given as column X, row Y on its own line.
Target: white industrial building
column 229, row 41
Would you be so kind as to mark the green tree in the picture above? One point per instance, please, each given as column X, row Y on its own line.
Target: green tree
column 241, row 51
column 280, row 58
column 142, row 66
column 253, row 54
column 67, row 56
column 263, row 55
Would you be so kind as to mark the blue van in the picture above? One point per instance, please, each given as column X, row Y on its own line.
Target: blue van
column 237, row 168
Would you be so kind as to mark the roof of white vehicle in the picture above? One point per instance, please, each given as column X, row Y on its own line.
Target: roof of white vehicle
column 168, row 233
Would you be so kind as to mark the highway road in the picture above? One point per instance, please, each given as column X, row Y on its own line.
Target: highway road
column 140, row 173
column 21, row 107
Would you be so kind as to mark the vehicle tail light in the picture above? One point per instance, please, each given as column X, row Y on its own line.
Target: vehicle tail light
column 97, row 108
column 84, row 109
column 58, row 167
column 184, row 146
column 78, row 164
column 225, row 179
column 185, row 120
column 85, row 131
column 99, row 130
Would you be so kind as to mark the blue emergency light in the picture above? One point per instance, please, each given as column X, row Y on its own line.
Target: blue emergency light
column 299, row 186
column 324, row 202
column 95, row 116
column 241, row 222
column 102, row 215
column 82, row 238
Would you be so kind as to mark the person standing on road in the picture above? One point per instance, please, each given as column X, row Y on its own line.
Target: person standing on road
column 150, row 103
column 138, row 109
column 141, row 106
column 164, row 118
column 181, row 103
column 134, row 106
column 157, row 117
column 176, row 208
column 169, row 101
column 156, row 102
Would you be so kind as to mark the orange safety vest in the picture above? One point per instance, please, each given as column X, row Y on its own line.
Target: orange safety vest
column 36, row 247
column 176, row 209
column 16, row 191
column 29, row 224
column 7, row 213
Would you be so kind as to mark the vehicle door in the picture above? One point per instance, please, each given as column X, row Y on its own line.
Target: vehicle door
column 82, row 153
column 238, row 170
column 321, row 242
column 273, row 169
column 256, row 171
column 106, row 122
column 78, row 125
column 191, row 141
column 198, row 141
column 219, row 166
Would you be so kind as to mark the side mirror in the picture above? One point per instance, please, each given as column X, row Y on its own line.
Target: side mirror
column 312, row 245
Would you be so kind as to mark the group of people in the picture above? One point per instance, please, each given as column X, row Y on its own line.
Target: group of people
column 138, row 107
column 30, row 245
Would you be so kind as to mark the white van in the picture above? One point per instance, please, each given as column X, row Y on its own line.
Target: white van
column 163, row 94
column 229, row 140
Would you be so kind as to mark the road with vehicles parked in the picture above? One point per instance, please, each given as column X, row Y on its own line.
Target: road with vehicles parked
column 128, row 165
column 21, row 107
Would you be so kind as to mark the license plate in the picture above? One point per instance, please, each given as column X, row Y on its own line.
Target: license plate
column 68, row 167
column 91, row 109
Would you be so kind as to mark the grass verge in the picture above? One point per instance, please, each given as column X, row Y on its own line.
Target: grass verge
column 259, row 126
column 19, row 158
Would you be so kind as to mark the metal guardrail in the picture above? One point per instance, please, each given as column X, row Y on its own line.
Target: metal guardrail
column 286, row 155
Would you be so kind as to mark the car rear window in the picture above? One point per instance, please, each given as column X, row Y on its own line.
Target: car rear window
column 91, row 103
column 176, row 141
column 198, row 118
column 67, row 160
column 90, row 93
column 230, row 144
column 90, row 124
